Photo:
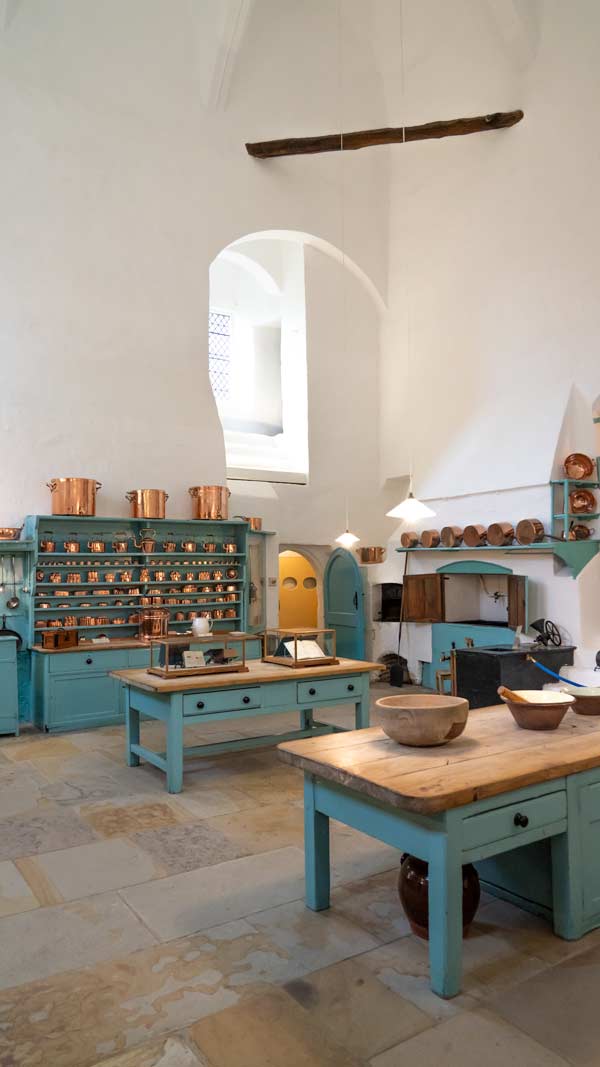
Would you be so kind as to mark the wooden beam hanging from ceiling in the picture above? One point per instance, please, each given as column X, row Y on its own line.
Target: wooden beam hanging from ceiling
column 335, row 142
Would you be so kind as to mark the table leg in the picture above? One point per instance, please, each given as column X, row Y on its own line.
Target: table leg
column 306, row 718
column 445, row 919
column 362, row 709
column 132, row 727
column 316, row 850
column 175, row 744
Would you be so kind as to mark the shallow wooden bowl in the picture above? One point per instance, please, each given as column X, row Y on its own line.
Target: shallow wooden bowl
column 423, row 719
column 545, row 708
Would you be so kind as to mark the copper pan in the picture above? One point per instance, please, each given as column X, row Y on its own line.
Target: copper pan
column 475, row 536
column 582, row 501
column 210, row 501
column 579, row 466
column 371, row 554
column 12, row 533
column 74, row 496
column 254, row 522
column 500, row 533
column 529, row 531
column 147, row 503
column 451, row 536
column 430, row 538
column 409, row 539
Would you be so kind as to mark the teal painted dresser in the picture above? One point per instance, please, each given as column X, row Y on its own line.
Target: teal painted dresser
column 9, row 690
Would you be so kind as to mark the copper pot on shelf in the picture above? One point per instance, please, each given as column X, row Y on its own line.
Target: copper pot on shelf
column 175, row 576
column 62, row 592
column 189, row 589
column 500, row 533
column 578, row 466
column 120, row 546
column 371, row 554
column 74, row 496
column 87, row 620
column 145, row 600
column 232, row 572
column 160, row 576
column 430, row 538
column 188, row 546
column 231, row 588
column 147, row 503
column 231, row 597
column 210, row 501
column 72, row 546
column 230, row 547
column 10, row 533
column 70, row 620
column 530, row 531
column 179, row 616
column 169, row 546
column 96, row 546
column 126, row 576
column 217, row 575
column 92, row 576
column 218, row 613
column 144, row 575
column 451, row 536
column 230, row 613
column 39, row 576
column 47, row 546
column 40, row 624
column 55, row 623
column 56, row 577
column 110, row 577
column 254, row 522
column 204, row 576
column 579, row 532
column 147, row 542
column 190, row 576
column 133, row 618
column 475, row 536
column 409, row 539
column 582, row 502
column 153, row 623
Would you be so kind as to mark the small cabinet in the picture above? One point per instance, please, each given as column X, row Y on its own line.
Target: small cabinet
column 424, row 598
column 74, row 690
column 9, row 704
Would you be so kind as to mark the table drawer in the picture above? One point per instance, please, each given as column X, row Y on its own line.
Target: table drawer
column 90, row 661
column 222, row 700
column 328, row 689
column 514, row 819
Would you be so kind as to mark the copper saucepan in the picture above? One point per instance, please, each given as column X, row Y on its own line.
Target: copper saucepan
column 254, row 522
column 451, row 536
column 188, row 546
column 96, row 546
column 169, row 546
column 409, row 539
column 47, row 546
column 530, row 531
column 475, row 536
column 500, row 533
column 72, row 546
column 11, row 533
column 430, row 538
column 230, row 547
column 74, row 496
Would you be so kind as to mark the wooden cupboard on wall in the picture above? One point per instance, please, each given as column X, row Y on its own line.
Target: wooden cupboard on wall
column 425, row 599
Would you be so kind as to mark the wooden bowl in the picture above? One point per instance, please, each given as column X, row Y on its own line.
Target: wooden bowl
column 423, row 719
column 579, row 466
column 545, row 708
column 587, row 701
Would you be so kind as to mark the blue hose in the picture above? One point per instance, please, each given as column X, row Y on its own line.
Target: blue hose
column 553, row 674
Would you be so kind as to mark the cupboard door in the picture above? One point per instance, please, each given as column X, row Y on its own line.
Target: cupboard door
column 423, row 596
column 517, row 601
column 257, row 569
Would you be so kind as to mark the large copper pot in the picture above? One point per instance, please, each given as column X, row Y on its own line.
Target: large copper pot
column 147, row 503
column 154, row 623
column 74, row 496
column 211, row 501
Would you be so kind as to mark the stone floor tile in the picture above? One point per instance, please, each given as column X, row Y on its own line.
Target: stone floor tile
column 197, row 900
column 39, row 943
column 309, row 939
column 271, row 1030
column 355, row 1010
column 374, row 904
column 186, row 847
column 45, row 830
column 470, row 1040
column 117, row 820
column 206, row 803
column 15, row 893
column 172, row 1052
column 263, row 828
column 559, row 1008
column 98, row 867
column 40, row 747
column 530, row 933
column 73, row 1019
column 355, row 855
column 19, row 797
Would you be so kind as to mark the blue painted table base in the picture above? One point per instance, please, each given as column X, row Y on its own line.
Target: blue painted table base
column 447, row 841
column 170, row 708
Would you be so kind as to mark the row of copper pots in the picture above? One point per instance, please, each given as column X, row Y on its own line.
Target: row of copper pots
column 147, row 544
column 77, row 496
column 498, row 534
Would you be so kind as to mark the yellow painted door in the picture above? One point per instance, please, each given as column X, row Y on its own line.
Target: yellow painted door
column 298, row 604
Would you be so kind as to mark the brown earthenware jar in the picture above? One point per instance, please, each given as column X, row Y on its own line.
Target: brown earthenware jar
column 413, row 890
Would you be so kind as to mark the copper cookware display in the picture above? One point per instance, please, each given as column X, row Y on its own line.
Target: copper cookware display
column 219, row 587
column 371, row 554
column 110, row 576
column 144, row 575
column 254, row 522
column 56, row 577
column 40, row 624
column 474, row 536
column 147, row 503
column 218, row 613
column 210, row 546
column 92, row 576
column 74, row 496
column 179, row 616
column 175, row 576
column 232, row 572
column 430, row 538
column 582, row 502
column 230, row 613
column 55, row 622
column 579, row 532
column 529, row 531
column 120, row 545
column 62, row 592
column 153, row 623
column 230, row 547
column 579, row 466
column 217, row 575
column 231, row 588
column 70, row 620
column 39, row 576
column 189, row 589
column 169, row 546
column 96, row 546
column 189, row 576
column 87, row 620
column 160, row 576
column 409, row 539
column 451, row 536
column 210, row 501
column 72, row 546
column 500, row 533
column 47, row 546
column 126, row 576
column 147, row 542
column 188, row 546
column 10, row 533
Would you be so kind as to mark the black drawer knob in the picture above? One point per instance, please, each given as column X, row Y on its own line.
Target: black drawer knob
column 89, row 660
column 246, row 700
column 350, row 688
column 200, row 704
column 521, row 820
column 312, row 692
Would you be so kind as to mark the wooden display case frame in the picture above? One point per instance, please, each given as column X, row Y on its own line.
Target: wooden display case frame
column 198, row 672
column 298, row 633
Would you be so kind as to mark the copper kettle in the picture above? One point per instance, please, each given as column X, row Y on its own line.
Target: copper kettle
column 147, row 542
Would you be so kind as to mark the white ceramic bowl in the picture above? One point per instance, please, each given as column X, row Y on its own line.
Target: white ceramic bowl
column 423, row 719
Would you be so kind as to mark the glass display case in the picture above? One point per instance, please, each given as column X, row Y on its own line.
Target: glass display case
column 184, row 657
column 299, row 647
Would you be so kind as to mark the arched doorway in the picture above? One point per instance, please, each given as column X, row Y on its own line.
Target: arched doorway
column 298, row 596
column 344, row 603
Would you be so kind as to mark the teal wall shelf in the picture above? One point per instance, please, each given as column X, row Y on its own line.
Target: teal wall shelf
column 575, row 554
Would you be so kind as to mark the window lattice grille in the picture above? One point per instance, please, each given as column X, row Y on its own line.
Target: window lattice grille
column 219, row 352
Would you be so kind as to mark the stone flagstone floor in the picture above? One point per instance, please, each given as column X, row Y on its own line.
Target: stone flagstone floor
column 143, row 930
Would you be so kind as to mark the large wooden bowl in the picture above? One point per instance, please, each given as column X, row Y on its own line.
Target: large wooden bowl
column 423, row 719
column 545, row 708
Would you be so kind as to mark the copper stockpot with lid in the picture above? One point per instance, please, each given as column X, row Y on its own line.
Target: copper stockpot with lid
column 74, row 496
column 500, row 533
column 211, row 501
column 147, row 503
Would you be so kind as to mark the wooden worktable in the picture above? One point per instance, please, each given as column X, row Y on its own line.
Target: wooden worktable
column 491, row 796
column 257, row 673
column 492, row 756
